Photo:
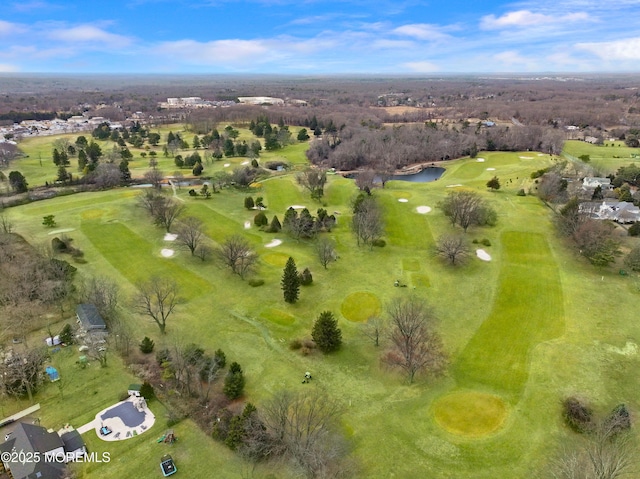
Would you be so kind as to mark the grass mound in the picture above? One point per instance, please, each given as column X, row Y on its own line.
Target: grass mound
column 470, row 413
column 360, row 306
column 278, row 317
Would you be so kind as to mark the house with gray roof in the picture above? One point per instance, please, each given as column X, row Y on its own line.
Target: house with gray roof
column 619, row 211
column 89, row 318
column 32, row 450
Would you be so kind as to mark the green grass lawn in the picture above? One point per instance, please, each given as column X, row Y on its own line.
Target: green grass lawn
column 522, row 331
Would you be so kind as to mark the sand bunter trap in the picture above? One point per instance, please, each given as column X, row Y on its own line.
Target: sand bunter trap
column 483, row 255
column 423, row 210
column 403, row 200
column 491, row 169
column 170, row 237
column 297, row 207
column 480, row 160
column 166, row 253
column 272, row 243
column 247, row 225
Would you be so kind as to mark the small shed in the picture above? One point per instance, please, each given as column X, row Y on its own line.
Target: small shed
column 89, row 318
column 52, row 373
column 134, row 390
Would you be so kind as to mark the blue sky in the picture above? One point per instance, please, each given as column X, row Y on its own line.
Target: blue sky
column 319, row 36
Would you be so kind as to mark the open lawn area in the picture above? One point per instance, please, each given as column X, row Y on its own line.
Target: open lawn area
column 522, row 331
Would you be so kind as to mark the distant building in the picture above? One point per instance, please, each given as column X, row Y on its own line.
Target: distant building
column 260, row 100
column 89, row 318
column 594, row 182
column 613, row 210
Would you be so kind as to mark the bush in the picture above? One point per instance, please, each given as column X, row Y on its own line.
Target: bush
column 619, row 420
column 255, row 282
column 66, row 335
column 254, row 163
column 305, row 277
column 379, row 243
column 248, row 203
column 486, row 242
column 123, row 396
column 521, row 192
column 295, row 344
column 634, row 229
column 58, row 246
column 577, row 415
column 192, row 192
column 147, row 345
column 146, row 391
column 260, row 220
column 163, row 356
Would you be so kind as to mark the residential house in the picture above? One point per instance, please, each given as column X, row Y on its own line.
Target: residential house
column 618, row 211
column 32, row 453
column 90, row 320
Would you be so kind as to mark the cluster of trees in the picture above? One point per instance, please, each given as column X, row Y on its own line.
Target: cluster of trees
column 301, row 429
column 467, row 208
column 275, row 137
column 313, row 180
column 383, row 149
column 304, row 224
column 604, row 447
column 163, row 209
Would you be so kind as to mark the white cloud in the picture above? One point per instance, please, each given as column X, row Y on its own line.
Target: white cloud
column 84, row 34
column 526, row 18
column 8, row 28
column 421, row 67
column 628, row 49
column 421, row 31
column 235, row 52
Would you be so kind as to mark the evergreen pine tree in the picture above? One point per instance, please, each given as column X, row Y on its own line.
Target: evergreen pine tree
column 326, row 333
column 275, row 225
column 290, row 281
column 234, row 382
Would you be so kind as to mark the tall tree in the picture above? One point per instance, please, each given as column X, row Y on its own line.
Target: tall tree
column 236, row 253
column 313, row 180
column 466, row 208
column 326, row 251
column 325, row 332
column 167, row 211
column 415, row 345
column 157, row 298
column 190, row 233
column 290, row 281
column 234, row 382
column 494, row 183
column 452, row 247
column 18, row 182
column 367, row 221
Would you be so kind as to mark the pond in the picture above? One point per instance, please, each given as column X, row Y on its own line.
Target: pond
column 431, row 173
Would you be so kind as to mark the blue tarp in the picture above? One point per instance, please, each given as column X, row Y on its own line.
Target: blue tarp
column 52, row 373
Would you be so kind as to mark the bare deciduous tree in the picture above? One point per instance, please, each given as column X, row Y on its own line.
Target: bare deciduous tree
column 452, row 247
column 190, row 233
column 302, row 427
column 365, row 179
column 313, row 180
column 236, row 253
column 157, row 298
column 415, row 346
column 103, row 293
column 22, row 373
column 166, row 212
column 374, row 329
column 367, row 221
column 551, row 188
column 154, row 177
column 203, row 252
column 326, row 251
column 465, row 208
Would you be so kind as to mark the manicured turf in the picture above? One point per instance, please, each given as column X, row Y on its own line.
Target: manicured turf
column 360, row 306
column 522, row 331
column 470, row 413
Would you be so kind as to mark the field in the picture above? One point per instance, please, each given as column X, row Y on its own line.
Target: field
column 522, row 331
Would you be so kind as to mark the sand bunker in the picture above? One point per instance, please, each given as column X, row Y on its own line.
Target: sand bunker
column 63, row 230
column 541, row 154
column 423, row 210
column 526, row 157
column 166, row 253
column 483, row 255
column 226, row 165
column 297, row 207
column 454, row 186
column 272, row 243
column 491, row 169
column 403, row 200
column 247, row 225
column 479, row 160
column 245, row 163
column 170, row 237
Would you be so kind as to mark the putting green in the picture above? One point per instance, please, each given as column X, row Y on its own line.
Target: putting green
column 471, row 414
column 360, row 306
column 401, row 194
column 275, row 259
